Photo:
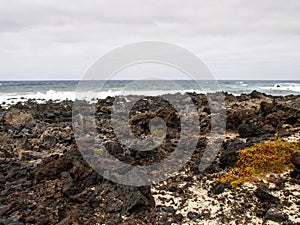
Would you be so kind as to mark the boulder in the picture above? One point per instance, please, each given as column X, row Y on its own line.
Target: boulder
column 262, row 193
column 122, row 198
column 52, row 169
column 229, row 156
column 256, row 94
column 266, row 108
column 249, row 130
column 295, row 159
column 275, row 215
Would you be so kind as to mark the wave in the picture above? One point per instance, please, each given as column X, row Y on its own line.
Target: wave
column 38, row 96
column 240, row 83
column 288, row 87
column 11, row 98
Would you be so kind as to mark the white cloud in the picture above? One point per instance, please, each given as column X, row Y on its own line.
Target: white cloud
column 237, row 39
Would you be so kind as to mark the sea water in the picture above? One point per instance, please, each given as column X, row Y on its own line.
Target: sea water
column 14, row 91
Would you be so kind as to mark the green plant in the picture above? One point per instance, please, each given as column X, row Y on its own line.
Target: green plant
column 259, row 160
column 158, row 133
column 98, row 151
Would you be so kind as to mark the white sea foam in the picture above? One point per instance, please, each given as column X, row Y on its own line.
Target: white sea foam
column 12, row 98
column 289, row 87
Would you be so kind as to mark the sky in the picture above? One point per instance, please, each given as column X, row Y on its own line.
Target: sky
column 243, row 40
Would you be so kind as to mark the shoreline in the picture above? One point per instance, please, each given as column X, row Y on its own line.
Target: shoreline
column 9, row 99
column 14, row 91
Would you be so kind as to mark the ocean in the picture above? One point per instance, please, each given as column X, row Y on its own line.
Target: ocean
column 14, row 91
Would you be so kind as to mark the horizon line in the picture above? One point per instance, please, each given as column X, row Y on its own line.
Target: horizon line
column 152, row 80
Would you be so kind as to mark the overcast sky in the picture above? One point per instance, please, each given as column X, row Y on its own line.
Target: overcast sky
column 49, row 39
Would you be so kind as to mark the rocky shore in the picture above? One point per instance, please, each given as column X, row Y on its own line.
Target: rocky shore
column 45, row 180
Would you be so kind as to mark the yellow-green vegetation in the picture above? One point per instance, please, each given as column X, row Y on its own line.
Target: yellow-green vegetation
column 158, row 133
column 195, row 114
column 259, row 160
column 98, row 151
column 50, row 151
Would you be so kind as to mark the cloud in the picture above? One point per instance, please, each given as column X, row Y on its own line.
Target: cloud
column 237, row 39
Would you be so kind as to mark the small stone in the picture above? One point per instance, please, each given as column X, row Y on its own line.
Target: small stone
column 262, row 193
column 193, row 215
column 166, row 209
column 116, row 219
column 219, row 188
column 295, row 159
column 280, row 184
